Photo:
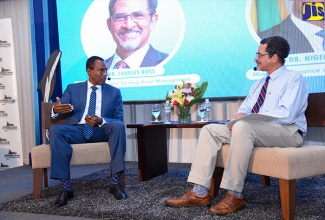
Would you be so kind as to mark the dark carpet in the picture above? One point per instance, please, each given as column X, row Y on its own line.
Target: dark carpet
column 146, row 199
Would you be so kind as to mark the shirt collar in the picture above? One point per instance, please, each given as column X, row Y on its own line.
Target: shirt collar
column 134, row 60
column 277, row 72
column 89, row 85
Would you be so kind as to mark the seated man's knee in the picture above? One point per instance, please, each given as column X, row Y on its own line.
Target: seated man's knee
column 205, row 129
column 115, row 127
column 118, row 126
column 240, row 126
column 55, row 129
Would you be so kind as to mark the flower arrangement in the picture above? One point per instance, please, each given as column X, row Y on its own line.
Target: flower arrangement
column 184, row 96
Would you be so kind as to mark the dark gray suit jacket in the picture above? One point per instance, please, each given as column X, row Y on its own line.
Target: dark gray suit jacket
column 287, row 29
column 152, row 58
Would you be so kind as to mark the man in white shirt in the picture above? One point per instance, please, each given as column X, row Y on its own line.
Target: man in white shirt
column 282, row 94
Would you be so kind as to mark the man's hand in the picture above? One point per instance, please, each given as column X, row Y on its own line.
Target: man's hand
column 238, row 115
column 62, row 108
column 93, row 120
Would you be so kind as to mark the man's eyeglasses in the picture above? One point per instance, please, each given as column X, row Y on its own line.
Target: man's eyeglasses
column 259, row 55
column 101, row 71
column 135, row 16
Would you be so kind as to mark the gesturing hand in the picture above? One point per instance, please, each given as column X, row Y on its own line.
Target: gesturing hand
column 62, row 108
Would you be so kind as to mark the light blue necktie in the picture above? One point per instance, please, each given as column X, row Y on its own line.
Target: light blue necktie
column 322, row 34
column 88, row 130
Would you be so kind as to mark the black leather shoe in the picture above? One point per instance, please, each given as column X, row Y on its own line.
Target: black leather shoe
column 118, row 192
column 63, row 198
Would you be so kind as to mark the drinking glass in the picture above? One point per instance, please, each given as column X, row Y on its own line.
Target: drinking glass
column 155, row 109
column 201, row 111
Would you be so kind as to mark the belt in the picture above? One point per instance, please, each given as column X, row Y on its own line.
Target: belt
column 301, row 133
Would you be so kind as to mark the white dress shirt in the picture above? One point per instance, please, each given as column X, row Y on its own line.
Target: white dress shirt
column 286, row 96
column 134, row 60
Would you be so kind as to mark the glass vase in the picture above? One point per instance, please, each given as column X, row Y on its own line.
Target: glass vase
column 184, row 115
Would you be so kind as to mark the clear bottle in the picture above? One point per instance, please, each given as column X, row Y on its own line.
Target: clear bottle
column 207, row 104
column 167, row 111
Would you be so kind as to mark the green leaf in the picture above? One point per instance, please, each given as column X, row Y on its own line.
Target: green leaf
column 199, row 92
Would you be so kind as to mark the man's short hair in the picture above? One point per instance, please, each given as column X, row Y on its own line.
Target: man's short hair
column 277, row 45
column 91, row 61
column 152, row 5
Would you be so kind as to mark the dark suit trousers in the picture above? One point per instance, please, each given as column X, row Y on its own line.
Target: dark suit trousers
column 62, row 136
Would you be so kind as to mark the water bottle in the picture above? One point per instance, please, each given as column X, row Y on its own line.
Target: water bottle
column 167, row 111
column 207, row 116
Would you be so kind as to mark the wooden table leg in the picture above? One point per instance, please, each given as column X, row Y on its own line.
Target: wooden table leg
column 152, row 152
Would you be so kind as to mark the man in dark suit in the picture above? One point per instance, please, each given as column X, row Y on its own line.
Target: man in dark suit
column 301, row 35
column 95, row 114
column 130, row 24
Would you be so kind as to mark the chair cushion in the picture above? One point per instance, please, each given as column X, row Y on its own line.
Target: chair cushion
column 89, row 153
column 284, row 163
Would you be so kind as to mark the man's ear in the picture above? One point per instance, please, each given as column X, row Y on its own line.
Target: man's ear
column 275, row 58
column 154, row 19
column 108, row 23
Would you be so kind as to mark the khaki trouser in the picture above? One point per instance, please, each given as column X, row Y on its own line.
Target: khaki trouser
column 244, row 136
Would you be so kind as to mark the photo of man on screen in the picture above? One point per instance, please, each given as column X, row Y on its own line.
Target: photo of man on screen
column 130, row 24
column 304, row 36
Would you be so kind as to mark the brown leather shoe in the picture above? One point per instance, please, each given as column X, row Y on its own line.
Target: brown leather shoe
column 229, row 204
column 189, row 199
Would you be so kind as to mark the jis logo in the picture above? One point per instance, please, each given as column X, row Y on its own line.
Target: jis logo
column 313, row 11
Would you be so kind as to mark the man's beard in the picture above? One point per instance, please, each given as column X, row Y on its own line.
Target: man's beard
column 130, row 43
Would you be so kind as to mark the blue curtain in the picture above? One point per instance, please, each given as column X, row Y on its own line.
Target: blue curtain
column 45, row 40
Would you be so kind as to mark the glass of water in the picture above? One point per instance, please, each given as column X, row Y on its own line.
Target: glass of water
column 201, row 111
column 155, row 109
